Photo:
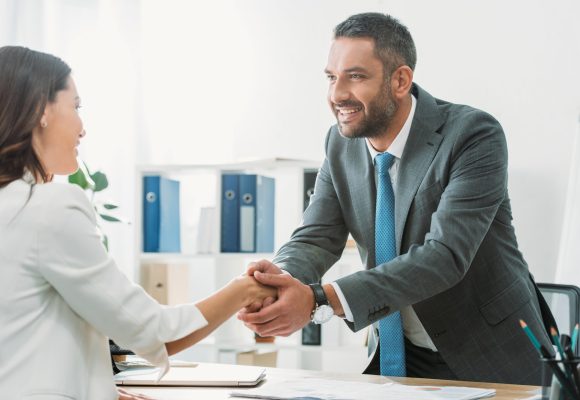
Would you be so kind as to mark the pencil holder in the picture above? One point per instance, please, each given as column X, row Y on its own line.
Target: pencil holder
column 560, row 379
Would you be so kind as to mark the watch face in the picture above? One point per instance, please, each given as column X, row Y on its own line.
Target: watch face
column 322, row 314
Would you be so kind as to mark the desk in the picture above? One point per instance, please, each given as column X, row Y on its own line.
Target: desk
column 504, row 392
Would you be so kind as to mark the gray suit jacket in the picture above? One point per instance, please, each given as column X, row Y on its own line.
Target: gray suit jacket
column 458, row 266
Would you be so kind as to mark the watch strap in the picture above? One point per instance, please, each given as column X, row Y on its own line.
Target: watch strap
column 319, row 295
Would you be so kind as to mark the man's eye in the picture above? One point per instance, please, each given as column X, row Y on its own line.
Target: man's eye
column 356, row 76
column 331, row 78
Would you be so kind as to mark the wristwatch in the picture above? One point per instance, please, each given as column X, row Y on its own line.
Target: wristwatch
column 322, row 312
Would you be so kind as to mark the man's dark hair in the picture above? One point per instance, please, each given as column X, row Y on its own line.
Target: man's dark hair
column 394, row 45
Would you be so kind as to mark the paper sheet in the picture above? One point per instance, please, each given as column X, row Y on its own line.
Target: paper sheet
column 325, row 389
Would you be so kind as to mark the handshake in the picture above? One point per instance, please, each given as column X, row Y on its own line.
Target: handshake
column 276, row 304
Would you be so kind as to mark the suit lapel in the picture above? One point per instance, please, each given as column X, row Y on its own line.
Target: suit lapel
column 361, row 172
column 420, row 149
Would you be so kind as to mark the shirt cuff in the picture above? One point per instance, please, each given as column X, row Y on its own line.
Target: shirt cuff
column 347, row 313
column 177, row 322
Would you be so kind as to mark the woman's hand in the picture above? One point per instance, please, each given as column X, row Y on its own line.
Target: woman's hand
column 262, row 293
column 255, row 293
column 221, row 305
column 261, row 266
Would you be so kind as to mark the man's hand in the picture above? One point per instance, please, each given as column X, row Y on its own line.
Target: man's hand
column 262, row 266
column 286, row 315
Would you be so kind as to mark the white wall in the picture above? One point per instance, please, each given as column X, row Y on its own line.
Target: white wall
column 518, row 60
column 97, row 39
column 229, row 79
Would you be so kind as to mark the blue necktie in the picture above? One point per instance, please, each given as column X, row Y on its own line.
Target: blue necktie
column 392, row 346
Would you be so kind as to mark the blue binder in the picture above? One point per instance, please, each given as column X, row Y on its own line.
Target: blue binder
column 161, row 222
column 230, row 214
column 256, row 214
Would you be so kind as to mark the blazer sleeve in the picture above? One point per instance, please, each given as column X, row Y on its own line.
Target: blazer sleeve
column 318, row 242
column 73, row 260
column 476, row 182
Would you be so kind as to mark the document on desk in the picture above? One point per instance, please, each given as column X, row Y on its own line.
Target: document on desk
column 326, row 389
column 198, row 375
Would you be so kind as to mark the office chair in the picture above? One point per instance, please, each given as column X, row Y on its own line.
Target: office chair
column 564, row 302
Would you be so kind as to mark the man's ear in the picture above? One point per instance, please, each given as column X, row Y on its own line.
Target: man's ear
column 401, row 81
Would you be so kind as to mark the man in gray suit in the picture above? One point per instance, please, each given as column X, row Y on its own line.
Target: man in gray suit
column 456, row 280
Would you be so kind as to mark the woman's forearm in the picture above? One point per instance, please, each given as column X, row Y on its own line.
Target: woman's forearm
column 220, row 306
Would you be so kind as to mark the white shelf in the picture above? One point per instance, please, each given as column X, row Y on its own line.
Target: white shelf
column 205, row 256
column 269, row 163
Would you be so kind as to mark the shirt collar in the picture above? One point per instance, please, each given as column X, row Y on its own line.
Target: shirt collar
column 28, row 177
column 396, row 148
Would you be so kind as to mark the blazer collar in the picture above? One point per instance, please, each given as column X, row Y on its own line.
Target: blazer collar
column 422, row 145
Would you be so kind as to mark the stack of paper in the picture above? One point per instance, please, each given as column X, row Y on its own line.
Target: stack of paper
column 324, row 389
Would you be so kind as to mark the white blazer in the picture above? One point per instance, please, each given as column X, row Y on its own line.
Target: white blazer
column 61, row 296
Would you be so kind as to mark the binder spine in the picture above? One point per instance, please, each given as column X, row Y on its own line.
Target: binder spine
column 247, row 202
column 151, row 213
column 230, row 214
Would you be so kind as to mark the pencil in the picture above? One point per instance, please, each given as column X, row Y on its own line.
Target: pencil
column 557, row 343
column 574, row 338
column 530, row 335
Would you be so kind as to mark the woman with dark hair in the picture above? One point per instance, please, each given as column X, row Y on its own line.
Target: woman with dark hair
column 61, row 295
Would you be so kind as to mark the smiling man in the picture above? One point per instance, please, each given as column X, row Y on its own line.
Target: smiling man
column 421, row 184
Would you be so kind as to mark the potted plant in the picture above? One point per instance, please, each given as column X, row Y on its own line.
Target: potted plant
column 93, row 183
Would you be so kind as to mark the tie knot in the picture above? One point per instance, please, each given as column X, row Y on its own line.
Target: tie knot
column 383, row 162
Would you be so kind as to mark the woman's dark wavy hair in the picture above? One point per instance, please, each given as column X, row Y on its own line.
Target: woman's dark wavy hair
column 28, row 81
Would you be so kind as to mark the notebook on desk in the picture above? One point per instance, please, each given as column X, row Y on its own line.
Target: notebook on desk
column 197, row 375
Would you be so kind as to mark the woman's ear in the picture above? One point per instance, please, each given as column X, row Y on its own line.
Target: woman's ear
column 44, row 118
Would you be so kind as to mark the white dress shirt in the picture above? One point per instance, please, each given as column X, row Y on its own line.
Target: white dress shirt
column 62, row 296
column 412, row 327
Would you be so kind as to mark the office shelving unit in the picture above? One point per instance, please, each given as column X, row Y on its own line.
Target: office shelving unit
column 211, row 269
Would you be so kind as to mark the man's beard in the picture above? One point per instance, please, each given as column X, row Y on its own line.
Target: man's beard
column 380, row 115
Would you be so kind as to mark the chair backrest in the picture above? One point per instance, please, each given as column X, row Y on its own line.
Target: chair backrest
column 564, row 302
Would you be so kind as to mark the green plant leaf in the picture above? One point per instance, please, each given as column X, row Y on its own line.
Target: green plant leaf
column 109, row 206
column 86, row 168
column 109, row 218
column 87, row 174
column 101, row 181
column 105, row 241
column 79, row 178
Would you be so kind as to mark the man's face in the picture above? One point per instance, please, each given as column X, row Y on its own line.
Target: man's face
column 358, row 93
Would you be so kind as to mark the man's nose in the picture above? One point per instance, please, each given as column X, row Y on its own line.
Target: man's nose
column 338, row 92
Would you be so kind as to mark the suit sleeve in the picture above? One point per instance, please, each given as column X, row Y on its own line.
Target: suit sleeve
column 476, row 186
column 73, row 260
column 319, row 241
